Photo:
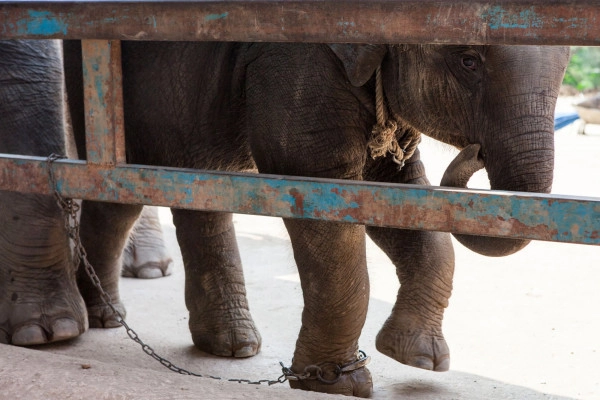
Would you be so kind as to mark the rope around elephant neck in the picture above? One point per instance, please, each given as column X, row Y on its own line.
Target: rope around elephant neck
column 384, row 134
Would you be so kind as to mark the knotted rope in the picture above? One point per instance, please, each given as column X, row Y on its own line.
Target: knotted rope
column 383, row 136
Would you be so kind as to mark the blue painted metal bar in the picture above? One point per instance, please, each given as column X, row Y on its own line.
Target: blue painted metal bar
column 106, row 178
column 374, row 21
column 105, row 136
column 508, row 214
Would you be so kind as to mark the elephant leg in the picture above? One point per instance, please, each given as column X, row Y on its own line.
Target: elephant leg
column 335, row 285
column 215, row 292
column 424, row 264
column 306, row 119
column 104, row 231
column 145, row 255
column 39, row 300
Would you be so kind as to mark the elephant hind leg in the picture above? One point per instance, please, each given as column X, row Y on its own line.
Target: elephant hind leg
column 39, row 299
column 215, row 292
column 146, row 255
column 104, row 231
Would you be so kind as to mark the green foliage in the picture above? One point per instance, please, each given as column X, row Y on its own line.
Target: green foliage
column 583, row 71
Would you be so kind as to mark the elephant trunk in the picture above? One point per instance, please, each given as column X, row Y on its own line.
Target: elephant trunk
column 517, row 134
column 457, row 175
column 523, row 163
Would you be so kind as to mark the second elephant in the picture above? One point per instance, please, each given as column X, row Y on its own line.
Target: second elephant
column 39, row 298
column 309, row 110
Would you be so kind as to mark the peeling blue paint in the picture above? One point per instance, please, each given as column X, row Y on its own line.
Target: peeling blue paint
column 42, row 23
column 545, row 217
column 499, row 18
column 214, row 17
column 99, row 84
column 575, row 22
column 346, row 25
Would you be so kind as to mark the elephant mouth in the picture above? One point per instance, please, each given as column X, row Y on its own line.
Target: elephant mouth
column 457, row 175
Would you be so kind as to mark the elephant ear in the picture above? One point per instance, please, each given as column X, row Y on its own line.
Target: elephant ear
column 360, row 60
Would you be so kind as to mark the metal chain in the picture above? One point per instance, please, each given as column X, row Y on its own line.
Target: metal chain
column 312, row 371
column 70, row 210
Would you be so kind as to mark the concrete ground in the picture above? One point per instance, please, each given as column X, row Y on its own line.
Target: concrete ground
column 521, row 327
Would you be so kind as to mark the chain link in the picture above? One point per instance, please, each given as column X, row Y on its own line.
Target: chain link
column 70, row 210
column 313, row 371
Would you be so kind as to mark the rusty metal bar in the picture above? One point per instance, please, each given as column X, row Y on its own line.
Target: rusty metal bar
column 543, row 22
column 105, row 136
column 106, row 178
column 480, row 212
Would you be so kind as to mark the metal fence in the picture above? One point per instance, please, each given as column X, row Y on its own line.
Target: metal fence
column 105, row 176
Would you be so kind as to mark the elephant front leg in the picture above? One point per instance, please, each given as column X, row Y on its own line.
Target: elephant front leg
column 332, row 265
column 215, row 292
column 39, row 300
column 104, row 231
column 424, row 263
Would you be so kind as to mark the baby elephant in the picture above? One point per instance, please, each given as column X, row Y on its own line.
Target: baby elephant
column 291, row 109
column 309, row 110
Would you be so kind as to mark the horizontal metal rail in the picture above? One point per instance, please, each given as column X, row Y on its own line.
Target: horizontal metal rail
column 105, row 176
column 520, row 215
column 547, row 22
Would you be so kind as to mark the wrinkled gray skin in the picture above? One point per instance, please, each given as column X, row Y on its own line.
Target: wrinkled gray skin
column 39, row 300
column 146, row 255
column 308, row 109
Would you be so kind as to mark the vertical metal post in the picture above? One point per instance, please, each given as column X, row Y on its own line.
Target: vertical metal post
column 105, row 137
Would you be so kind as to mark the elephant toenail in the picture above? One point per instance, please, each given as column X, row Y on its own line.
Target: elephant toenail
column 64, row 328
column 29, row 335
column 246, row 351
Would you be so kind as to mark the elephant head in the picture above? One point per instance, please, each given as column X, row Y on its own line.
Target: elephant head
column 501, row 98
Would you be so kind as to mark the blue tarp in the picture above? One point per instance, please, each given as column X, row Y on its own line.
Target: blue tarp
column 562, row 119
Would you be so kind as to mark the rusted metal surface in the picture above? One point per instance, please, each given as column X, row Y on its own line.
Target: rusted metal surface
column 105, row 136
column 106, row 178
column 521, row 215
column 375, row 21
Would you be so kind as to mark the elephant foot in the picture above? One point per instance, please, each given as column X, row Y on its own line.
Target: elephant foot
column 352, row 379
column 132, row 268
column 420, row 348
column 146, row 255
column 102, row 316
column 38, row 307
column 234, row 337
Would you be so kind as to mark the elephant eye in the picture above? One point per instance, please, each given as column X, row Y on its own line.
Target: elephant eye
column 469, row 62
